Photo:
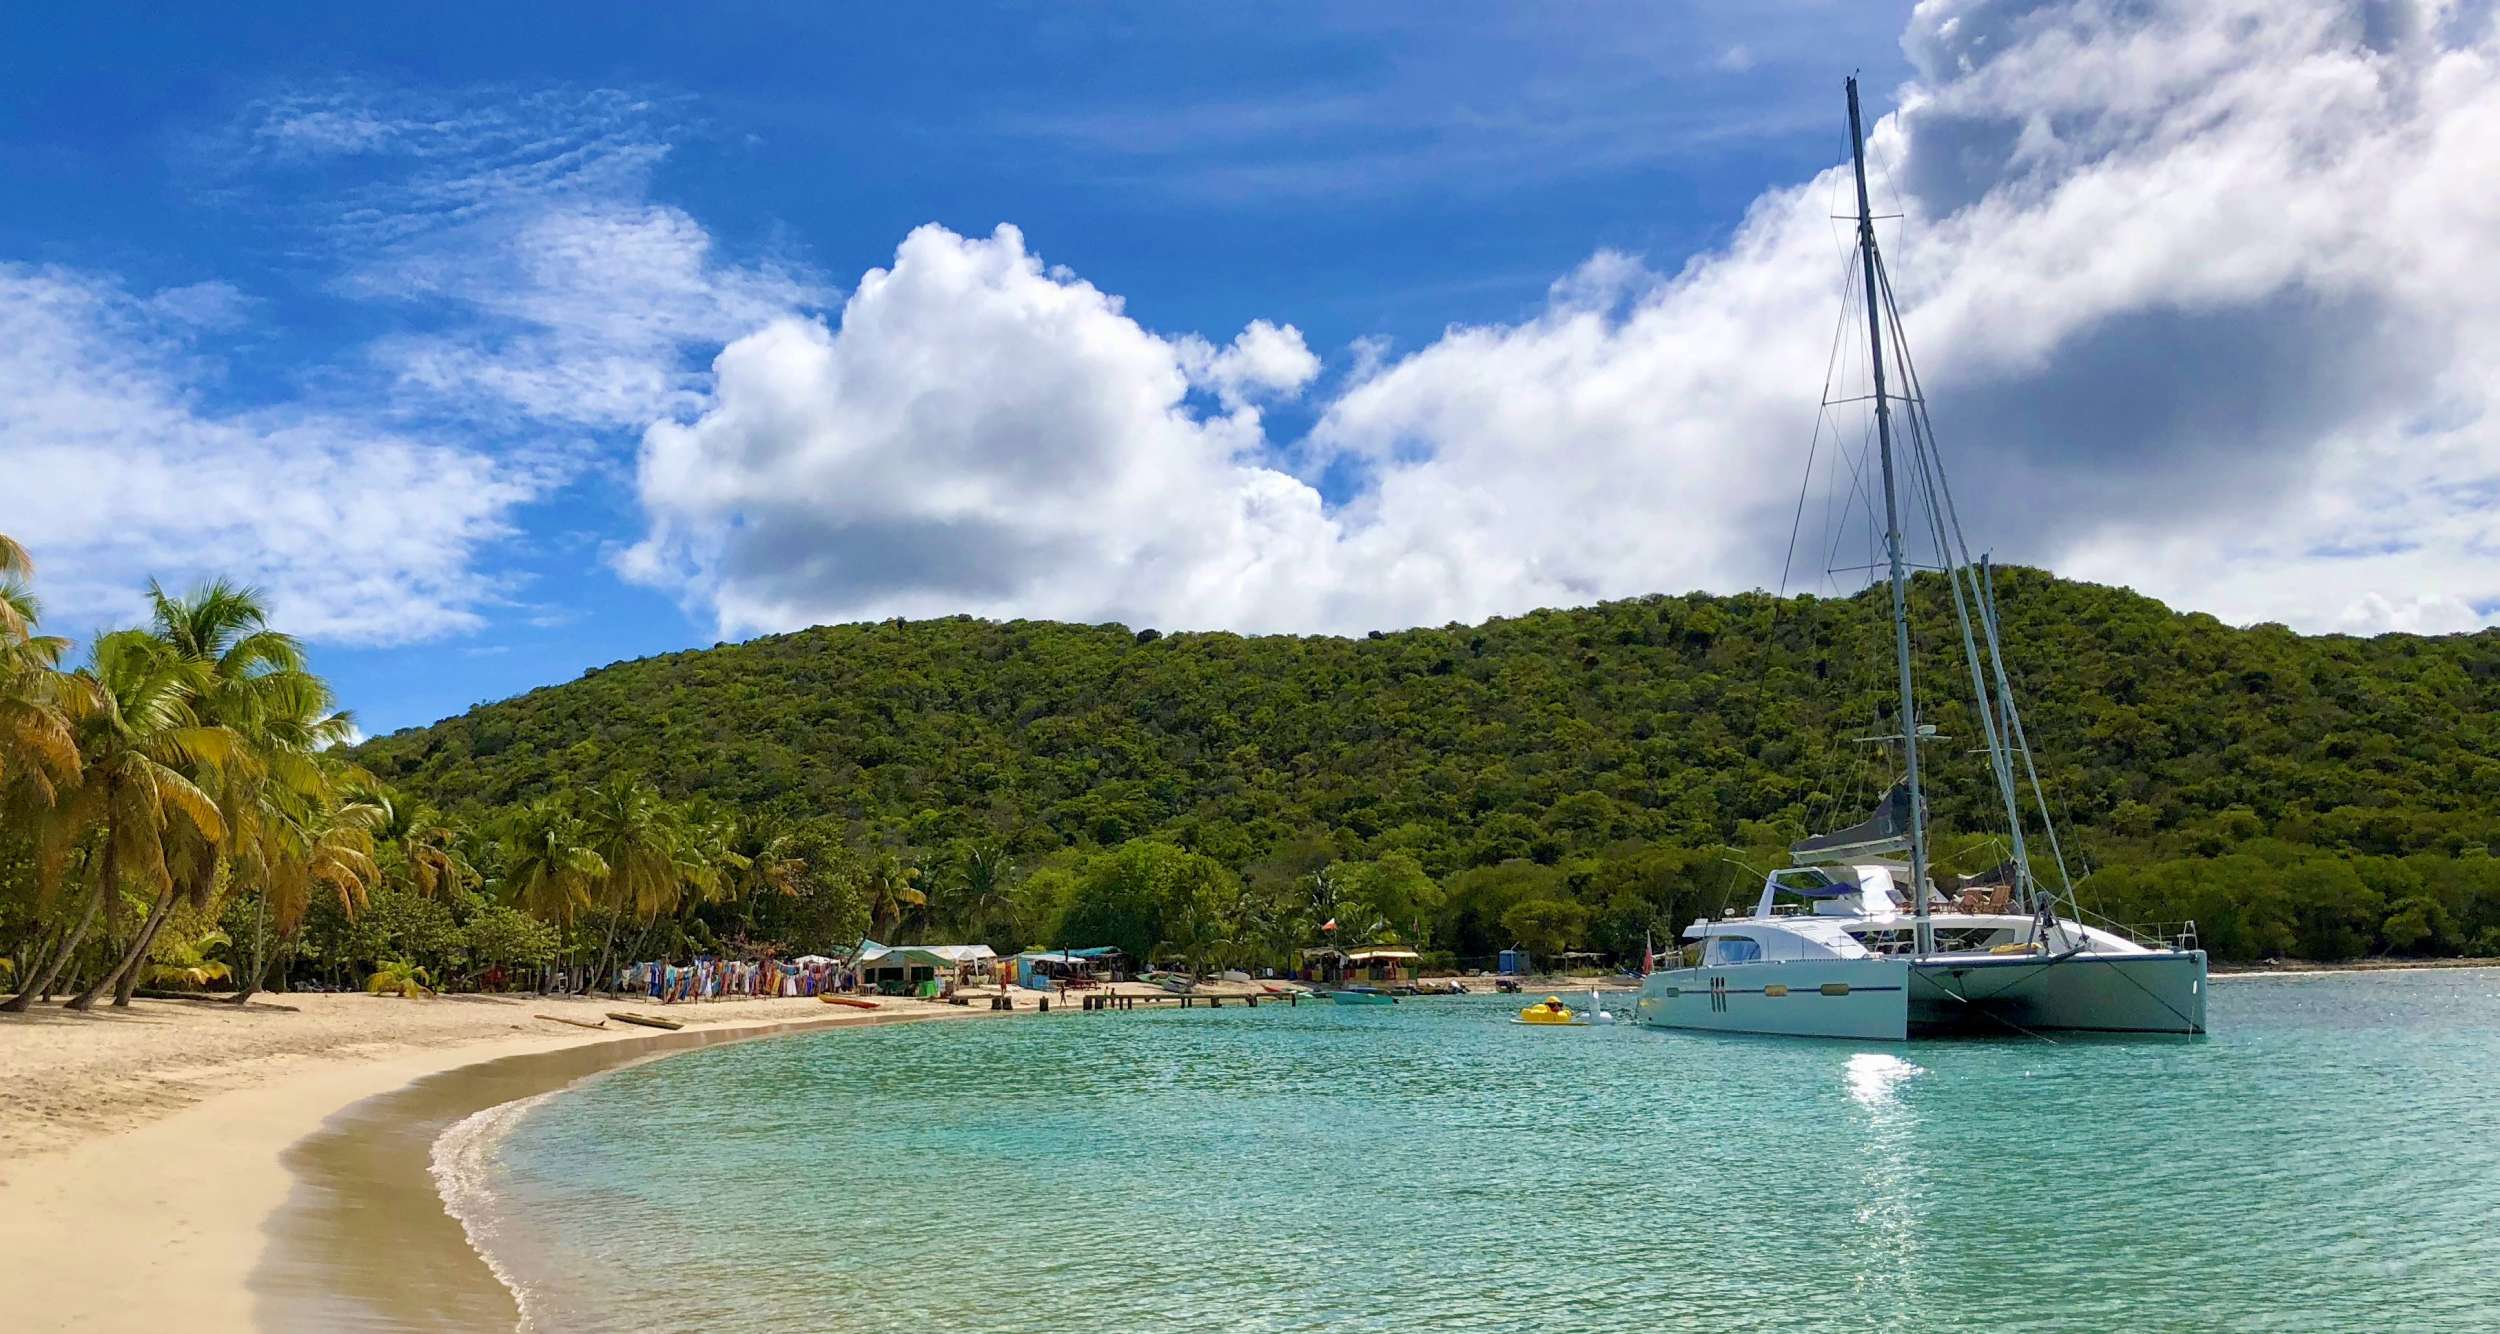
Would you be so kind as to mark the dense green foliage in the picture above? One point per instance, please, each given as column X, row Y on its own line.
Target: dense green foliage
column 176, row 812
column 1593, row 773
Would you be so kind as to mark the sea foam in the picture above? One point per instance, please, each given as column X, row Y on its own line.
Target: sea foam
column 463, row 1166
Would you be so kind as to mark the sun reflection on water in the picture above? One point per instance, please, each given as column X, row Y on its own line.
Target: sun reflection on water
column 1875, row 1078
column 1889, row 1210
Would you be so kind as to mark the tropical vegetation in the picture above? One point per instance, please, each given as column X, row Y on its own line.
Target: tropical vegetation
column 183, row 810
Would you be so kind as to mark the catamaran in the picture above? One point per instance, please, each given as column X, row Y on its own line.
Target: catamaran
column 1853, row 939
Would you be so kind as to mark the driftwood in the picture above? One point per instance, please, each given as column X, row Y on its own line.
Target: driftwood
column 646, row 1020
column 577, row 1023
column 196, row 998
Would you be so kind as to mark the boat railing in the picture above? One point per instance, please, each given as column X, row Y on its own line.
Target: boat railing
column 2151, row 935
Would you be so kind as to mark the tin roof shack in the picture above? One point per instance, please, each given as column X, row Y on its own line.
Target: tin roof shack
column 1382, row 965
column 1043, row 969
column 1324, row 966
column 921, row 969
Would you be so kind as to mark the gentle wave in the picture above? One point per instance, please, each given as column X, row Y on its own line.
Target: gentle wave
column 463, row 1165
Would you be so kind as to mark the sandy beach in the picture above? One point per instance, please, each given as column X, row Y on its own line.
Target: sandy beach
column 268, row 1167
column 145, row 1160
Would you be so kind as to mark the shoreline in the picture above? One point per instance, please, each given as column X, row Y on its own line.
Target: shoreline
column 370, row 1236
column 275, row 1168
column 194, row 1155
column 2307, row 968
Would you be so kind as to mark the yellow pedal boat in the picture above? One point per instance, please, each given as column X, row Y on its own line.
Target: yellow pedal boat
column 1552, row 1012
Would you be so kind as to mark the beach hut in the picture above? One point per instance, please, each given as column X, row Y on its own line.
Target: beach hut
column 1044, row 969
column 904, row 969
column 1382, row 965
column 1325, row 965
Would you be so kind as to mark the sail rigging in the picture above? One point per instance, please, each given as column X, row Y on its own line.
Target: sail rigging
column 1822, row 954
column 1909, row 461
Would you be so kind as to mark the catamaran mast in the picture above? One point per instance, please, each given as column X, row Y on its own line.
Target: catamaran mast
column 1924, row 932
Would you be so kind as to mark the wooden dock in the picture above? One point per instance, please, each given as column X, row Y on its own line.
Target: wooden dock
column 1130, row 1000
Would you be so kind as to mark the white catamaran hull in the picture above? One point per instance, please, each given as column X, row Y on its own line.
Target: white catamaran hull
column 2157, row 991
column 1814, row 998
column 1892, row 999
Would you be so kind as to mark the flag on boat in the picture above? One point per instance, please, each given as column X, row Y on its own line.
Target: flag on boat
column 1329, row 925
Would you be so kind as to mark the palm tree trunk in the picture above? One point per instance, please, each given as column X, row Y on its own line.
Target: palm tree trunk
column 138, row 963
column 108, row 888
column 260, row 951
column 40, row 982
column 605, row 950
column 131, row 955
column 251, row 983
column 40, row 948
column 564, row 952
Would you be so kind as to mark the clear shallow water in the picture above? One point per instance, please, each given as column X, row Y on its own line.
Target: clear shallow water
column 2330, row 1160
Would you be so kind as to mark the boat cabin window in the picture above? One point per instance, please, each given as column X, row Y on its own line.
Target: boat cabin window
column 1733, row 949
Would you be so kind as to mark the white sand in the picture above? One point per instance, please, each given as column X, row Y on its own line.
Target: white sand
column 140, row 1153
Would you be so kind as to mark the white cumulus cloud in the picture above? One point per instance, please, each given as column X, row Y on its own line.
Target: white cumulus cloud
column 978, row 433
column 2197, row 289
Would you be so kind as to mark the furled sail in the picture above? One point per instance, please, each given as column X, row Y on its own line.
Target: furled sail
column 1884, row 833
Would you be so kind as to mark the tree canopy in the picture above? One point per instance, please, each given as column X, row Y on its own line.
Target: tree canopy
column 1627, row 759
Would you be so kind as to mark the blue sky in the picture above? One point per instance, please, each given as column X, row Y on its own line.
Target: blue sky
column 1385, row 173
column 447, row 310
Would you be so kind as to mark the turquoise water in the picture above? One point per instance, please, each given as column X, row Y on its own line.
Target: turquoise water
column 2330, row 1159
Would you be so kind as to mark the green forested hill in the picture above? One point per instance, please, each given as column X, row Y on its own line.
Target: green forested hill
column 1656, row 734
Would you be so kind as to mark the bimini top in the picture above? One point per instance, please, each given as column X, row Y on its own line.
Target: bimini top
column 1868, row 890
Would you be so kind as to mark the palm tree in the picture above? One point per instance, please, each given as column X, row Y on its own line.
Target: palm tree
column 189, row 965
column 151, row 822
column 892, row 887
column 253, row 685
column 433, row 855
column 640, row 839
column 768, row 860
column 549, row 866
column 986, row 896
column 707, row 858
column 38, row 704
column 754, row 856
column 398, row 977
column 311, row 841
column 16, row 569
column 430, row 848
column 37, row 752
